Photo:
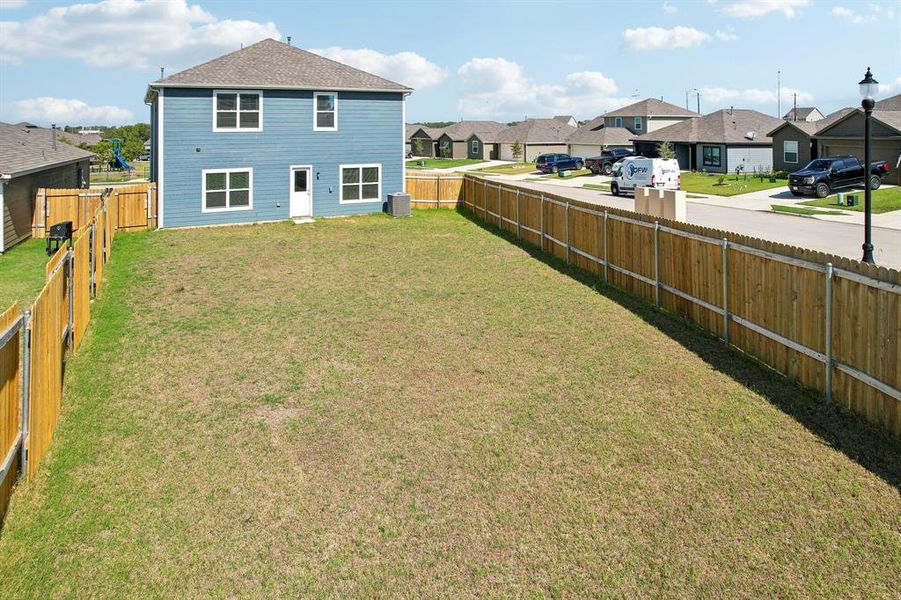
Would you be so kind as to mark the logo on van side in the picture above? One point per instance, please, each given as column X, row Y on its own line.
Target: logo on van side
column 632, row 169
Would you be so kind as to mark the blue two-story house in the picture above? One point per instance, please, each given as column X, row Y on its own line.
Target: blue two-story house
column 272, row 132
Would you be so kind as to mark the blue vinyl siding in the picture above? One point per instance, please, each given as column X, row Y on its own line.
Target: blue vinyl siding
column 370, row 130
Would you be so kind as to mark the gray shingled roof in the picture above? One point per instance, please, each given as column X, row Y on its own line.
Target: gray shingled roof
column 891, row 118
column 890, row 103
column 651, row 107
column 433, row 132
column 812, row 127
column 594, row 132
column 536, row 131
column 463, row 130
column 720, row 127
column 273, row 64
column 22, row 151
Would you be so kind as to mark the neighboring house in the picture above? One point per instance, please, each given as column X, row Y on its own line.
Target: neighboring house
column 469, row 139
column 568, row 119
column 66, row 137
column 593, row 137
column 720, row 142
column 423, row 140
column 535, row 136
column 647, row 115
column 271, row 132
column 804, row 113
column 793, row 141
column 845, row 136
column 30, row 160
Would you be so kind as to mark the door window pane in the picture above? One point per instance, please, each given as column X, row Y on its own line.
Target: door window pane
column 300, row 181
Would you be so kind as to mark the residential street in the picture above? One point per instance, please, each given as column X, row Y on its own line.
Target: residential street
column 844, row 239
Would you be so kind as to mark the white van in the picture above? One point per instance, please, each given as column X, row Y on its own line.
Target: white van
column 638, row 171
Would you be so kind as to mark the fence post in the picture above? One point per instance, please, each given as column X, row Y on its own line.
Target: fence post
column 437, row 191
column 726, row 291
column 566, row 231
column 518, row 223
column 606, row 258
column 542, row 221
column 46, row 209
column 828, row 311
column 70, row 260
column 92, row 249
column 485, row 200
column 657, row 263
column 147, row 204
column 26, row 392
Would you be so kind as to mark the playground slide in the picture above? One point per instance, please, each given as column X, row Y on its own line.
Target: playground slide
column 121, row 162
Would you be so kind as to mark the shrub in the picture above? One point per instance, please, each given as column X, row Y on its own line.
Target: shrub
column 720, row 180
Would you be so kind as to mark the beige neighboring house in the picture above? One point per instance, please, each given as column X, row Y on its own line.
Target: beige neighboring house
column 469, row 139
column 647, row 115
column 535, row 136
column 594, row 136
column 810, row 114
column 30, row 159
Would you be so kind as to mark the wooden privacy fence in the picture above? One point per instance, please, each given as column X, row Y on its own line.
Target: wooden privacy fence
column 829, row 322
column 31, row 381
column 435, row 190
column 135, row 207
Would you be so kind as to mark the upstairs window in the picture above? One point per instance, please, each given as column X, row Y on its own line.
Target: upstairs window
column 238, row 111
column 637, row 123
column 617, row 121
column 325, row 111
column 227, row 189
column 361, row 183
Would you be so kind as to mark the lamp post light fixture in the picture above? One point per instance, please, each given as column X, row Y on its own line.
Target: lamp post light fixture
column 868, row 89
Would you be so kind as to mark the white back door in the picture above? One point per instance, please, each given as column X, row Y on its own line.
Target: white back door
column 301, row 191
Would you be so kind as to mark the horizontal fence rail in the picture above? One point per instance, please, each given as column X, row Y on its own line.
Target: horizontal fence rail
column 34, row 344
column 831, row 323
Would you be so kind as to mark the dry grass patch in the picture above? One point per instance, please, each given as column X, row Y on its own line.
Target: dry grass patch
column 418, row 407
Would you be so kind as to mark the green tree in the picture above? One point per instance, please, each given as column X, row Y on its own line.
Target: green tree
column 418, row 146
column 516, row 150
column 666, row 150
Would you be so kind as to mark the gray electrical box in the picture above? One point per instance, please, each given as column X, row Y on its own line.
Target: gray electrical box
column 399, row 204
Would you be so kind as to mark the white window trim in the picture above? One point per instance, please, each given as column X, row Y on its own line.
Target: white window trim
column 617, row 121
column 237, row 129
column 203, row 174
column 474, row 146
column 785, row 151
column 341, row 168
column 637, row 124
column 315, row 112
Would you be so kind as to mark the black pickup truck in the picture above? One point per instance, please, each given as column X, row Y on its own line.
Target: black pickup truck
column 604, row 163
column 823, row 175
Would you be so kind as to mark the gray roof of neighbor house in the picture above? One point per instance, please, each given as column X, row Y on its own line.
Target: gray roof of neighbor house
column 651, row 107
column 802, row 112
column 272, row 64
column 536, row 131
column 812, row 127
column 890, row 103
column 24, row 151
column 720, row 127
column 463, row 130
column 594, row 132
column 433, row 132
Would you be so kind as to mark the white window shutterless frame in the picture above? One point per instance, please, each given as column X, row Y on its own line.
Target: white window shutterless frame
column 237, row 111
column 325, row 111
column 301, row 191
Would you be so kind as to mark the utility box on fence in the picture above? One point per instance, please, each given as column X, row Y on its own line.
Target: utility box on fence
column 399, row 204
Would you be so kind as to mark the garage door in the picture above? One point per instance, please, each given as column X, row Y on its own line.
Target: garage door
column 584, row 150
column 886, row 152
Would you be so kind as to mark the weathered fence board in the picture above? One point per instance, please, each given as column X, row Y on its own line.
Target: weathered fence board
column 434, row 190
column 81, row 286
column 135, row 207
column 767, row 299
column 10, row 378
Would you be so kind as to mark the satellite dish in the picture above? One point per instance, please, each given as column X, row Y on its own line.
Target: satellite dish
column 751, row 135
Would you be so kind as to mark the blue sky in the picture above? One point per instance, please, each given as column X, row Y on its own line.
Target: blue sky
column 91, row 62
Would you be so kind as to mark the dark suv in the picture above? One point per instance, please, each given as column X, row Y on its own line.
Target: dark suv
column 551, row 163
column 823, row 175
column 604, row 163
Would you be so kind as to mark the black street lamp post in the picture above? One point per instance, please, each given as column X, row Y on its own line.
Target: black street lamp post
column 868, row 88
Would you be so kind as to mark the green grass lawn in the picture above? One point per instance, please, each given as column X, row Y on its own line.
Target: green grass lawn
column 22, row 273
column 140, row 170
column 884, row 200
column 510, row 169
column 441, row 163
column 370, row 407
column 800, row 210
column 706, row 183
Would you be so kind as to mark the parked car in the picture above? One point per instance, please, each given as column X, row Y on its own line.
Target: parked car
column 638, row 171
column 552, row 163
column 823, row 175
column 605, row 161
column 143, row 157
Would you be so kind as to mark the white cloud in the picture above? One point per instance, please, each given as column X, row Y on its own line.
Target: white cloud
column 758, row 8
column 407, row 68
column 657, row 38
column 64, row 111
column 11, row 4
column 849, row 16
column 128, row 33
column 718, row 95
column 890, row 88
column 670, row 8
column 497, row 88
column 727, row 35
